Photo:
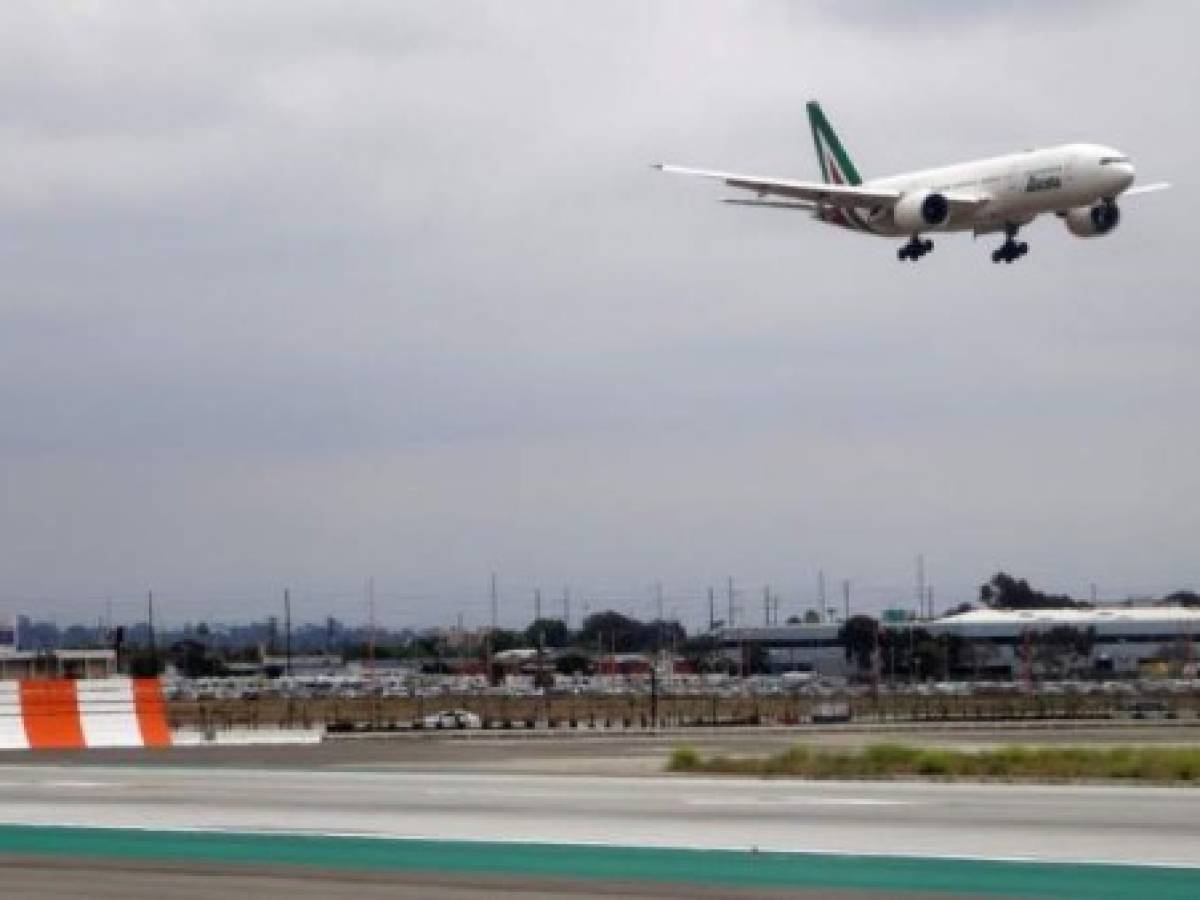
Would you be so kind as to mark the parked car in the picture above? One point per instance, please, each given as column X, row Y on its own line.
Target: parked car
column 830, row 713
column 452, row 718
column 1151, row 709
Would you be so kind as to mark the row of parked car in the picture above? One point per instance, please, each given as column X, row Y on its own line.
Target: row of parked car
column 788, row 684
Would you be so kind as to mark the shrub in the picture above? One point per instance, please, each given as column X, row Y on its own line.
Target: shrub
column 684, row 759
column 892, row 760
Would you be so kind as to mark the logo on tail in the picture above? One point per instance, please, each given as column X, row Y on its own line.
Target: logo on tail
column 836, row 167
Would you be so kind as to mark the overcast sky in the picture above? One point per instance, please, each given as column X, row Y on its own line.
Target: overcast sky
column 297, row 293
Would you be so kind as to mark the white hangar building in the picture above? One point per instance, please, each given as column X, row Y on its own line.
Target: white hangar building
column 1124, row 639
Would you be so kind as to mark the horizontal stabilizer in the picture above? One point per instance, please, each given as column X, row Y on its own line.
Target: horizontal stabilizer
column 771, row 204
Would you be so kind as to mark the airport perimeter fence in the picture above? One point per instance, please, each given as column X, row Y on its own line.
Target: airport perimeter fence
column 642, row 711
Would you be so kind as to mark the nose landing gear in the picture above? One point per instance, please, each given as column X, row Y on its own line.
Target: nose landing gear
column 1011, row 249
column 914, row 249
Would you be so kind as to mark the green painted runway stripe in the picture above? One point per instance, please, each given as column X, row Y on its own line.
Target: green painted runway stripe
column 591, row 862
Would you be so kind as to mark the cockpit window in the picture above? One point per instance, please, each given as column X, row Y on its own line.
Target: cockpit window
column 1109, row 160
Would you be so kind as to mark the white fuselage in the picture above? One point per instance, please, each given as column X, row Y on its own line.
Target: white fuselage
column 1018, row 187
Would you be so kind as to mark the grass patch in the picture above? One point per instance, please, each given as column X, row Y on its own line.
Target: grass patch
column 684, row 759
column 1164, row 765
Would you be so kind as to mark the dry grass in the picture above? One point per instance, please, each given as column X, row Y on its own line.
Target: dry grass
column 1171, row 765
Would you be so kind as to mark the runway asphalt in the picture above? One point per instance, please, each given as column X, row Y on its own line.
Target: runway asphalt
column 1113, row 824
column 35, row 878
column 398, row 811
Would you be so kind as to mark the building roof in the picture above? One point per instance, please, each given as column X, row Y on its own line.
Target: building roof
column 1078, row 617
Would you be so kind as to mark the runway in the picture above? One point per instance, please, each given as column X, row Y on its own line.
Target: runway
column 1064, row 823
column 495, row 811
column 135, row 881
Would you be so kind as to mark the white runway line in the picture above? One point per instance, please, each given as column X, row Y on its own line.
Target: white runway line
column 794, row 801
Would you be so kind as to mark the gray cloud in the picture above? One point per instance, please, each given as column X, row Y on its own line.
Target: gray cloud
column 296, row 293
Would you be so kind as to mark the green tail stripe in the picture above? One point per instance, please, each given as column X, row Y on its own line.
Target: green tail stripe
column 885, row 875
column 813, row 111
column 823, row 131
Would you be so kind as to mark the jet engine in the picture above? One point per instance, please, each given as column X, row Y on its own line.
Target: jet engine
column 920, row 211
column 1092, row 221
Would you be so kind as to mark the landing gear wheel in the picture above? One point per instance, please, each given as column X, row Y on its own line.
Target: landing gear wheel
column 1010, row 250
column 914, row 249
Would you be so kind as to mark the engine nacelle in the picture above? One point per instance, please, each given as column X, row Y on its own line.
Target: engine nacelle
column 919, row 211
column 1093, row 221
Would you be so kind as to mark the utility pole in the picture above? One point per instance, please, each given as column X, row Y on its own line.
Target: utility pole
column 287, row 631
column 371, row 628
column 821, row 593
column 537, row 604
column 567, row 607
column 729, row 620
column 654, row 697
column 658, row 597
column 712, row 611
column 920, row 583
column 767, row 605
column 929, row 595
column 846, row 599
column 150, row 629
column 491, row 637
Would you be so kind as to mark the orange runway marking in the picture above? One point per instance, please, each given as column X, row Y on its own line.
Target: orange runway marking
column 151, row 712
column 50, row 710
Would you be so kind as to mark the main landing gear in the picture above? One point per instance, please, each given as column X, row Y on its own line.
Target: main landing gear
column 1011, row 249
column 914, row 249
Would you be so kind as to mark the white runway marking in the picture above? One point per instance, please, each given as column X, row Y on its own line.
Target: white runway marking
column 58, row 784
column 794, row 801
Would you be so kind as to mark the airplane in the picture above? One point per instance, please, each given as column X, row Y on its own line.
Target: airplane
column 1080, row 183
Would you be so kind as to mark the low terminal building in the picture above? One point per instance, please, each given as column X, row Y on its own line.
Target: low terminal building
column 17, row 664
column 28, row 664
column 1117, row 640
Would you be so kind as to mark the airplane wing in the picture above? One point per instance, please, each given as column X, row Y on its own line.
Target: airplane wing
column 1145, row 189
column 811, row 194
column 815, row 192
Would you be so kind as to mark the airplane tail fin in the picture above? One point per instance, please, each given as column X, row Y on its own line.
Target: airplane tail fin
column 836, row 167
